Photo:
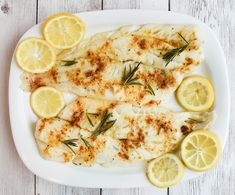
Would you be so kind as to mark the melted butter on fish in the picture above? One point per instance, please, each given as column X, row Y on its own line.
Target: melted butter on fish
column 146, row 44
column 100, row 77
column 138, row 134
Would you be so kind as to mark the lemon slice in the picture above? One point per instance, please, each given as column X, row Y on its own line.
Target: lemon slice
column 63, row 30
column 195, row 93
column 35, row 55
column 201, row 150
column 47, row 102
column 165, row 171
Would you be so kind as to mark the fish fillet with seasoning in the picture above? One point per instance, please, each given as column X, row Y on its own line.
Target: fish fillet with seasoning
column 146, row 43
column 82, row 136
column 142, row 65
column 133, row 82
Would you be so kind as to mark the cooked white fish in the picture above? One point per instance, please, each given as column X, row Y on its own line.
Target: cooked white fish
column 103, row 66
column 146, row 44
column 105, row 79
column 130, row 133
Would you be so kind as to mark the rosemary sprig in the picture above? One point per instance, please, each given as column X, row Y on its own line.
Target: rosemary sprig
column 150, row 89
column 104, row 124
column 128, row 76
column 89, row 120
column 193, row 121
column 69, row 143
column 68, row 62
column 72, row 143
column 94, row 114
column 170, row 55
column 85, row 142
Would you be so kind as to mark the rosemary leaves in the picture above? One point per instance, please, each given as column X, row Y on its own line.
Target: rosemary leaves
column 68, row 62
column 170, row 55
column 70, row 143
column 194, row 121
column 89, row 120
column 87, row 144
column 104, row 124
column 73, row 143
column 150, row 89
column 129, row 77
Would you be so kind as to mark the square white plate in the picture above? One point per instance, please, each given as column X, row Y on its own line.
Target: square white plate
column 23, row 119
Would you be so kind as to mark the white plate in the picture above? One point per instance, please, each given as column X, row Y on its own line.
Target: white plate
column 22, row 118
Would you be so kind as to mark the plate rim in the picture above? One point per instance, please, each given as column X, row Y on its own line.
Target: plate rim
column 144, row 184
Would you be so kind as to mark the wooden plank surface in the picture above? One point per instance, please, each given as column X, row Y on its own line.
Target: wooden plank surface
column 15, row 178
column 45, row 9
column 220, row 16
column 136, row 4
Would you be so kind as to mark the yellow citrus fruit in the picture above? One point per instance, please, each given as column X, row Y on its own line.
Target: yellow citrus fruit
column 165, row 171
column 201, row 150
column 63, row 30
column 195, row 93
column 47, row 102
column 35, row 55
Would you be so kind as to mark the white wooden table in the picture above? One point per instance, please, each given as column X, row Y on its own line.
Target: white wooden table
column 16, row 16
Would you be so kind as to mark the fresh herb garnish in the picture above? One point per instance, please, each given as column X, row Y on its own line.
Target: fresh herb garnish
column 94, row 114
column 150, row 89
column 68, row 62
column 128, row 76
column 73, row 143
column 69, row 143
column 193, row 121
column 89, row 120
column 170, row 55
column 104, row 124
column 85, row 142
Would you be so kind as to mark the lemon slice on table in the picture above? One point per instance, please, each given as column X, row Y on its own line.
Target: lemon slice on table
column 165, row 171
column 35, row 55
column 47, row 102
column 63, row 30
column 201, row 150
column 195, row 93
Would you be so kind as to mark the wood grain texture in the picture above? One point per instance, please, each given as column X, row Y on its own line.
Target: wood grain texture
column 45, row 9
column 15, row 178
column 220, row 16
column 135, row 4
column 135, row 191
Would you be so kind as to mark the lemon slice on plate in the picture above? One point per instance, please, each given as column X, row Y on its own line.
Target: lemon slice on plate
column 165, row 171
column 35, row 55
column 63, row 30
column 195, row 93
column 201, row 150
column 47, row 102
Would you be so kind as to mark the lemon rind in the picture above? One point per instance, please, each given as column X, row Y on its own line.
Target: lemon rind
column 170, row 183
column 217, row 158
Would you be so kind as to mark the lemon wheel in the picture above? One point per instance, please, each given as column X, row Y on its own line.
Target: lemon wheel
column 35, row 55
column 201, row 150
column 195, row 93
column 63, row 30
column 165, row 171
column 47, row 102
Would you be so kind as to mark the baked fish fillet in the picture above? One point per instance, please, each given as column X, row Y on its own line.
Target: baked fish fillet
column 104, row 79
column 146, row 44
column 136, row 134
